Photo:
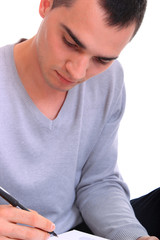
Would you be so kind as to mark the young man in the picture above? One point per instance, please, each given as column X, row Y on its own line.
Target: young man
column 58, row 137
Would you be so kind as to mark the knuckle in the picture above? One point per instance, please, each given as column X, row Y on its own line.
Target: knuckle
column 33, row 211
column 7, row 212
column 33, row 219
column 3, row 211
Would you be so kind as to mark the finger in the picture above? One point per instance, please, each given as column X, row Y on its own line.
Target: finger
column 153, row 238
column 148, row 238
column 31, row 218
column 6, row 238
column 15, row 231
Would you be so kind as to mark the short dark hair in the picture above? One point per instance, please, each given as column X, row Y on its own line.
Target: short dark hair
column 122, row 13
column 119, row 13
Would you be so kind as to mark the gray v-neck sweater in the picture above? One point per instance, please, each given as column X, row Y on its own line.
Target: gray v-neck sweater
column 66, row 169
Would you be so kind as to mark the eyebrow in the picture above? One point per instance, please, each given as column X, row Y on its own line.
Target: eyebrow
column 80, row 44
column 73, row 36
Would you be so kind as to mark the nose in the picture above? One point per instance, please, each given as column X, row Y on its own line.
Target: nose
column 77, row 67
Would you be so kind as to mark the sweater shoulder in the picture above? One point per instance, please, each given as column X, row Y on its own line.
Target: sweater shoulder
column 106, row 85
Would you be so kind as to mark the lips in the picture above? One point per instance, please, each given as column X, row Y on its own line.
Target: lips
column 63, row 79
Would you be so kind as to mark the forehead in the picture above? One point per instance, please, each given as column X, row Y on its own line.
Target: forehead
column 86, row 20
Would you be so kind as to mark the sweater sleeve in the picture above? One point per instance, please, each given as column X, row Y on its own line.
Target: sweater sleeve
column 102, row 195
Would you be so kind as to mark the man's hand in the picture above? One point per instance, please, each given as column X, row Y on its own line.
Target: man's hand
column 36, row 229
column 148, row 238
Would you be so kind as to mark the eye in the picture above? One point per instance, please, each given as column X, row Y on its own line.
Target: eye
column 69, row 44
column 102, row 61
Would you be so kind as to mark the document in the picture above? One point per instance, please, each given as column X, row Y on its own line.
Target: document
column 76, row 235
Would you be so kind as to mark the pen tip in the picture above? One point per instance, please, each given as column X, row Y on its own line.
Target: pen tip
column 53, row 233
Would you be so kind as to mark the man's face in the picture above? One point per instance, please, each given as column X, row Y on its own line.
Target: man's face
column 74, row 44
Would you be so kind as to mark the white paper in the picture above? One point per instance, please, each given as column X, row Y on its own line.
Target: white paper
column 76, row 235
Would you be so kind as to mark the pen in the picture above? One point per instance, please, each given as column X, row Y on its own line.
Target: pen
column 4, row 194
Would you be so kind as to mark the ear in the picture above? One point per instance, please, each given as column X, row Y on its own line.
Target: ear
column 44, row 7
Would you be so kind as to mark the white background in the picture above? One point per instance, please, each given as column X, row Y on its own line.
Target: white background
column 139, row 149
column 139, row 144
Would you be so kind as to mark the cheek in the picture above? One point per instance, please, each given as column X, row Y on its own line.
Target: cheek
column 57, row 52
column 50, row 46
